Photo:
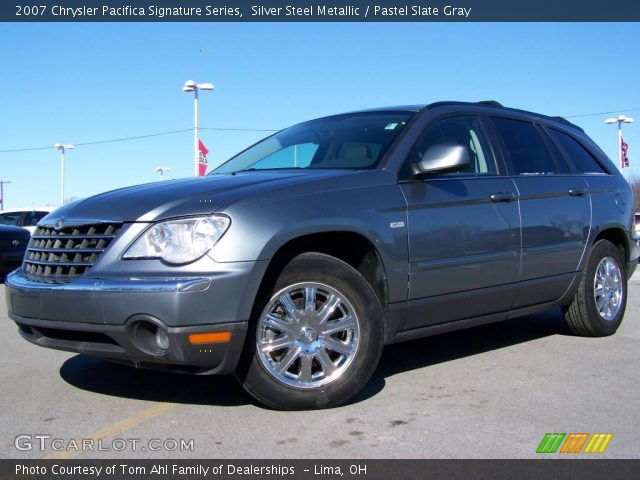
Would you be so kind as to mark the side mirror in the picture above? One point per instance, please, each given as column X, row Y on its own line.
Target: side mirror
column 443, row 158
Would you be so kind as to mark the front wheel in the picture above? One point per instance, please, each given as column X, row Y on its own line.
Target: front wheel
column 317, row 337
column 598, row 306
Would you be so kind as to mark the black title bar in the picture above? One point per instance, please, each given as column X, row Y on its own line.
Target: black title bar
column 320, row 11
column 118, row 469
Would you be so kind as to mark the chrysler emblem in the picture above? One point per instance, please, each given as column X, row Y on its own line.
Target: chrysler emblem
column 59, row 224
column 15, row 243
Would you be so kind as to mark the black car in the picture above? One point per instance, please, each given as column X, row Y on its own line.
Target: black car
column 13, row 243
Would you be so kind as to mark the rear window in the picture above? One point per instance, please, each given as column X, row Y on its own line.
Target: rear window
column 582, row 159
column 526, row 149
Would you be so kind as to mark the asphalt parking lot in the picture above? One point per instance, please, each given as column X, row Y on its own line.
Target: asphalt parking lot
column 488, row 392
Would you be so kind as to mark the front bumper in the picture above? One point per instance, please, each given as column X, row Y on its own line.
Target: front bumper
column 116, row 318
column 121, row 344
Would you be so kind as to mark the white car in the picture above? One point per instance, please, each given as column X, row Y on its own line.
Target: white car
column 24, row 217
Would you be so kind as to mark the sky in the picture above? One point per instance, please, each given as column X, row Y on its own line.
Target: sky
column 82, row 83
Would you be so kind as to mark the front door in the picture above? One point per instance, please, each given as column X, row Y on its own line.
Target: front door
column 464, row 232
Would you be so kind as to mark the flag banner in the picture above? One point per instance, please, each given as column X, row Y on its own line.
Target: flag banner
column 624, row 154
column 202, row 158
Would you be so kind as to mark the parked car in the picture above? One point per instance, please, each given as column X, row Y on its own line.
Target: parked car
column 13, row 244
column 296, row 261
column 24, row 217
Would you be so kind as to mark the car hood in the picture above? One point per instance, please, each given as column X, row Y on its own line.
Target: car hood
column 174, row 198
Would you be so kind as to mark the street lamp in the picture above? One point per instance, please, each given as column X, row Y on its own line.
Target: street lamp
column 2, row 184
column 162, row 170
column 191, row 86
column 62, row 147
column 619, row 120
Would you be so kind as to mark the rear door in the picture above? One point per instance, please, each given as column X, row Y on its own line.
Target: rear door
column 555, row 208
column 464, row 231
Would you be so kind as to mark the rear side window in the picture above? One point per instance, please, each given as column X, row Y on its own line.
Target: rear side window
column 526, row 149
column 582, row 159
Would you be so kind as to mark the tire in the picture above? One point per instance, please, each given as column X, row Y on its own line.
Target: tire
column 315, row 337
column 598, row 306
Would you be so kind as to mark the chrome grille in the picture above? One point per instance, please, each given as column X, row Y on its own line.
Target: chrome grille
column 69, row 252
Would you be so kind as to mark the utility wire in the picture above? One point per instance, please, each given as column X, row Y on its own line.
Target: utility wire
column 220, row 129
column 142, row 136
column 133, row 138
column 604, row 113
column 26, row 149
column 238, row 129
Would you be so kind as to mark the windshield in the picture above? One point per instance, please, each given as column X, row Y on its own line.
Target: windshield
column 353, row 141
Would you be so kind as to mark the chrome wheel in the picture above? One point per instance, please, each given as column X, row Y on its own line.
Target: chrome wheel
column 607, row 288
column 307, row 335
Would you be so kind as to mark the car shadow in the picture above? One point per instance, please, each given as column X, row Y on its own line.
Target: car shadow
column 100, row 376
column 106, row 378
column 428, row 351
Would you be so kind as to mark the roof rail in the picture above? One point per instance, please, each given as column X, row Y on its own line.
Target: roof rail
column 567, row 122
column 495, row 104
column 488, row 103
column 491, row 103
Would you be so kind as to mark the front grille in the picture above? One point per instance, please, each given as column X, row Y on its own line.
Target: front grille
column 69, row 252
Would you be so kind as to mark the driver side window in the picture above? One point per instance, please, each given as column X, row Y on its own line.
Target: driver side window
column 463, row 131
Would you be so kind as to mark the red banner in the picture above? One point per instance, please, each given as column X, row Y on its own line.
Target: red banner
column 202, row 158
column 624, row 154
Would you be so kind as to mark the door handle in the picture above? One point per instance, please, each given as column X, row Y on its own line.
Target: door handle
column 502, row 197
column 577, row 191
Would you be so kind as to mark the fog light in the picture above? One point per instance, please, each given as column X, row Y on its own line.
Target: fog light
column 162, row 339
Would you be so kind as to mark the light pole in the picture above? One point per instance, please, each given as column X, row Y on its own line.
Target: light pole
column 162, row 170
column 62, row 147
column 2, row 184
column 191, row 86
column 619, row 120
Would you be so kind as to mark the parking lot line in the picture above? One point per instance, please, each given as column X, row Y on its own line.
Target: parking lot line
column 116, row 429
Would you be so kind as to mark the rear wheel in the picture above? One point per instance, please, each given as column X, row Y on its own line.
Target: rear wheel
column 316, row 338
column 599, row 304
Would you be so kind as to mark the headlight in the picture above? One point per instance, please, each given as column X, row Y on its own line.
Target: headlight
column 179, row 241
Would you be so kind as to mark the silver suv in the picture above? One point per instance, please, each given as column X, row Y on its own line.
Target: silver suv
column 295, row 262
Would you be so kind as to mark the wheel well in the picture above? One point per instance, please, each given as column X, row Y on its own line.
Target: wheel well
column 351, row 248
column 617, row 237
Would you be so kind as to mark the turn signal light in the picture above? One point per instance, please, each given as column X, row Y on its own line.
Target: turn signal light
column 212, row 337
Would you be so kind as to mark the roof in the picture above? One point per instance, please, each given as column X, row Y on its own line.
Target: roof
column 398, row 108
column 498, row 106
column 491, row 104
